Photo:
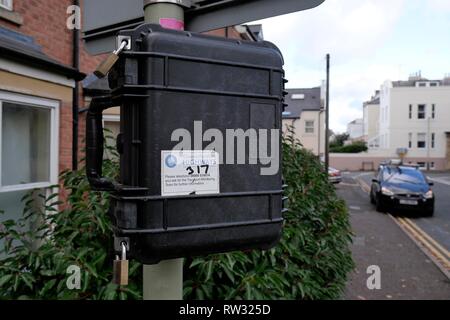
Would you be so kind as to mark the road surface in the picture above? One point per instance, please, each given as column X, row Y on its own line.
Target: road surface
column 407, row 271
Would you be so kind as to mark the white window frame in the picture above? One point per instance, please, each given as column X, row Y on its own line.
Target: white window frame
column 110, row 118
column 298, row 96
column 7, row 4
column 424, row 111
column 420, row 140
column 422, row 84
column 309, row 127
column 422, row 165
column 34, row 102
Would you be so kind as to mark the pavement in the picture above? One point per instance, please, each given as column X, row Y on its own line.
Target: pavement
column 438, row 226
column 407, row 270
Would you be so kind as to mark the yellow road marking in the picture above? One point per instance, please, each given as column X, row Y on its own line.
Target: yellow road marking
column 364, row 185
column 429, row 238
column 436, row 253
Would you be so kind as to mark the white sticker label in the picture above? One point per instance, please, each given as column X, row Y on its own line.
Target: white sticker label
column 185, row 172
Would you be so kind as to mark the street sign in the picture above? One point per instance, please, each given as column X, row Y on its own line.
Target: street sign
column 102, row 19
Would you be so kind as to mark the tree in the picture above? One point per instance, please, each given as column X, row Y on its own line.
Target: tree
column 339, row 140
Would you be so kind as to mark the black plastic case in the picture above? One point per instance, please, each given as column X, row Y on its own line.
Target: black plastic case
column 168, row 80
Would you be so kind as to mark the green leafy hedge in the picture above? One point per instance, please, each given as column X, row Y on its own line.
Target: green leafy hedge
column 311, row 262
column 355, row 147
column 313, row 258
column 40, row 247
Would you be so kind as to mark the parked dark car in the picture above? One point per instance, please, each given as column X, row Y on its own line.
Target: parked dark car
column 402, row 187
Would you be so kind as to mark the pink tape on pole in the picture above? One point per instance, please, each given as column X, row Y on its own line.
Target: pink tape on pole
column 171, row 23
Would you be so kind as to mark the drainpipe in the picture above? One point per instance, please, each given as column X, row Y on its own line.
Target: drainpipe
column 164, row 281
column 75, row 95
column 428, row 140
column 327, row 118
column 319, row 129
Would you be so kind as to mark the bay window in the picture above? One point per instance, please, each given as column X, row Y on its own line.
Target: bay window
column 28, row 149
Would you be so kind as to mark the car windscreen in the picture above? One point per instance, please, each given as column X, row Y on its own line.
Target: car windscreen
column 398, row 175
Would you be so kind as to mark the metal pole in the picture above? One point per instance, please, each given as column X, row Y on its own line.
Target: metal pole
column 167, row 13
column 75, row 94
column 327, row 118
column 164, row 281
column 428, row 140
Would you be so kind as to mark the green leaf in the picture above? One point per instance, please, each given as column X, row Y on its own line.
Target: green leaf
column 229, row 274
column 28, row 279
column 209, row 270
column 5, row 279
column 49, row 285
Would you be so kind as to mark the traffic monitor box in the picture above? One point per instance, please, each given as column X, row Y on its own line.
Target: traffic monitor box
column 200, row 144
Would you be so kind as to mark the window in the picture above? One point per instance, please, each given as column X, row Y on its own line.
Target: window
column 433, row 111
column 6, row 4
column 29, row 131
column 422, row 84
column 434, row 84
column 28, row 142
column 422, row 165
column 309, row 126
column 411, row 175
column 433, row 140
column 421, row 111
column 111, row 124
column 410, row 140
column 421, row 140
column 410, row 111
column 298, row 96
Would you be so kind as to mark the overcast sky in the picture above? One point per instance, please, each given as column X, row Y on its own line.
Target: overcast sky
column 370, row 41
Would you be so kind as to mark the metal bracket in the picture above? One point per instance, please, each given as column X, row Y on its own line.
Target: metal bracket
column 183, row 3
column 118, row 243
column 120, row 39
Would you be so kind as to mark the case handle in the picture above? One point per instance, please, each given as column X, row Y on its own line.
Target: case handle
column 94, row 144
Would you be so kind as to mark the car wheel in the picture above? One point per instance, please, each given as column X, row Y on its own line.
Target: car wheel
column 372, row 199
column 379, row 205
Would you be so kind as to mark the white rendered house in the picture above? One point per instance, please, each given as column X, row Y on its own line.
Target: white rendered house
column 414, row 115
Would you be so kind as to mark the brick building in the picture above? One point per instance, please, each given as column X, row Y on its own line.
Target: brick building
column 37, row 82
column 37, row 90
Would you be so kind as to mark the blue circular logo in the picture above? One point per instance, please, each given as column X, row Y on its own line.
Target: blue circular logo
column 171, row 161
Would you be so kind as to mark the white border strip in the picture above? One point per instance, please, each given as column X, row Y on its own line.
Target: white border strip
column 54, row 106
column 36, row 73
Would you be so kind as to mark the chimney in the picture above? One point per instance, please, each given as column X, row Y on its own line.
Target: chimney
column 415, row 76
column 446, row 80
